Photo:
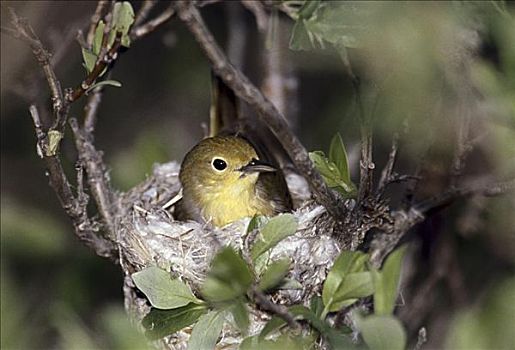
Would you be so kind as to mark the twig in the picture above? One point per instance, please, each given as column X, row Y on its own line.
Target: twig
column 267, row 112
column 276, row 309
column 447, row 197
column 387, row 173
column 386, row 242
column 26, row 33
column 97, row 179
column 462, row 148
column 258, row 11
column 91, row 110
column 142, row 30
column 143, row 12
column 404, row 220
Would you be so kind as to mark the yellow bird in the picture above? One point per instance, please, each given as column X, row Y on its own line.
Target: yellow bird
column 224, row 180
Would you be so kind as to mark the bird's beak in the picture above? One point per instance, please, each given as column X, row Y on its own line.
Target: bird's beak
column 257, row 166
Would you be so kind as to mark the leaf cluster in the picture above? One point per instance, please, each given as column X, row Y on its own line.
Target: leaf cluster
column 123, row 18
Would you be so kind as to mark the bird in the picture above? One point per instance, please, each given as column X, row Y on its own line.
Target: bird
column 223, row 180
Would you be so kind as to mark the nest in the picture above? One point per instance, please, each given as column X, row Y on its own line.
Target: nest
column 149, row 235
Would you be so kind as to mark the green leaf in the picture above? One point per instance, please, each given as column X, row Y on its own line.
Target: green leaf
column 54, row 139
column 386, row 283
column 256, row 222
column 300, row 39
column 274, row 274
column 382, row 332
column 207, row 331
column 290, row 283
column 98, row 38
column 316, row 305
column 275, row 230
column 160, row 323
column 341, row 23
column 240, row 315
column 89, row 59
column 335, row 337
column 104, row 82
column 283, row 342
column 353, row 286
column 228, row 278
column 271, row 326
column 338, row 156
column 123, row 18
column 308, row 9
column 250, row 343
column 331, row 174
column 335, row 287
column 162, row 291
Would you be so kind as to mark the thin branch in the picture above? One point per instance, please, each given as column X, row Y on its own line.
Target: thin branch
column 143, row 12
column 267, row 112
column 258, row 11
column 97, row 178
column 91, row 110
column 387, row 173
column 386, row 242
column 462, row 148
column 277, row 309
column 11, row 32
column 26, row 33
column 404, row 220
column 449, row 196
column 142, row 30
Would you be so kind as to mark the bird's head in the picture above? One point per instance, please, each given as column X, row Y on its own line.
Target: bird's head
column 221, row 164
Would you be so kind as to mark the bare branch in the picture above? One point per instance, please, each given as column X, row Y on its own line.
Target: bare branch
column 462, row 147
column 91, row 110
column 11, row 32
column 405, row 220
column 142, row 30
column 387, row 173
column 488, row 189
column 97, row 178
column 276, row 309
column 26, row 33
column 267, row 112
column 143, row 12
column 258, row 11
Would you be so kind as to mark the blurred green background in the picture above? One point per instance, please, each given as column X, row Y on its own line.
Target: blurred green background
column 423, row 67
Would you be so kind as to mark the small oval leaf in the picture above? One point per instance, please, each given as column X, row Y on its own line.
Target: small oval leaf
column 162, row 291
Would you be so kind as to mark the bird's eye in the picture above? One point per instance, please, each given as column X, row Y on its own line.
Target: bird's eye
column 219, row 164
